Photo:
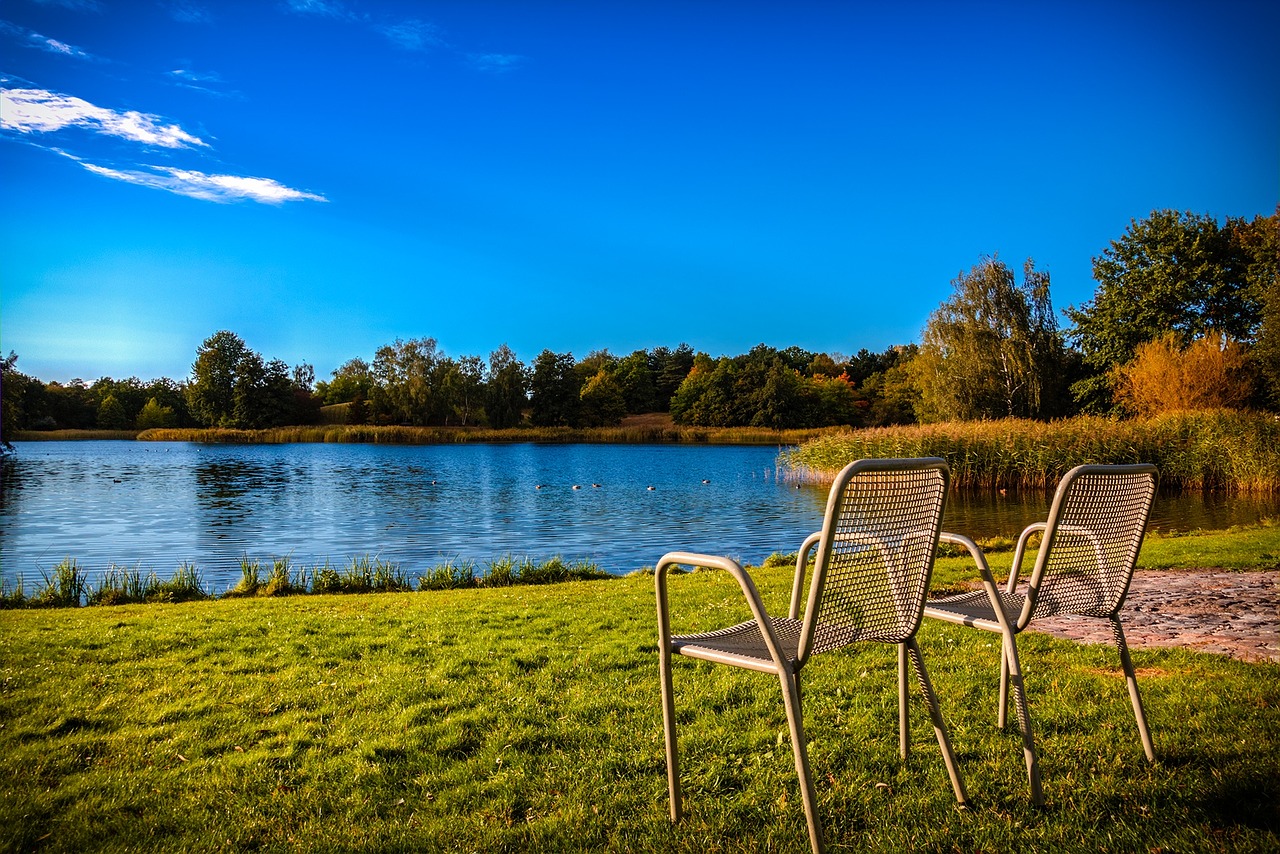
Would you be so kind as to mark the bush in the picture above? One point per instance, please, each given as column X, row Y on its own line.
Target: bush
column 1210, row 373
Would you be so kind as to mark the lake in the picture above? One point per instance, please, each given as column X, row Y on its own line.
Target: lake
column 153, row 505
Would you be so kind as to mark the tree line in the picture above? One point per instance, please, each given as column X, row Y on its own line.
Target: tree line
column 1186, row 314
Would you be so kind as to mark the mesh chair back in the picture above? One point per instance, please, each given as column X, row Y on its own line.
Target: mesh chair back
column 876, row 554
column 1091, row 541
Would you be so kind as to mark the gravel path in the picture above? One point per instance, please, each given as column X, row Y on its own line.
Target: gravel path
column 1231, row 613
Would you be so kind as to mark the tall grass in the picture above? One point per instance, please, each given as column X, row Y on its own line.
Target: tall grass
column 395, row 435
column 68, row 584
column 1214, row 450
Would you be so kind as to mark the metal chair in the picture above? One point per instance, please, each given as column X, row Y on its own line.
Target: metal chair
column 1086, row 560
column 871, row 574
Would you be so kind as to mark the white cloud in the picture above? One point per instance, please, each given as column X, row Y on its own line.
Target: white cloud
column 33, row 39
column 42, row 111
column 200, row 185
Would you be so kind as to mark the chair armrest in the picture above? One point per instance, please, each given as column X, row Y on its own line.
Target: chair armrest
column 988, row 581
column 1020, row 552
column 802, row 561
column 749, row 592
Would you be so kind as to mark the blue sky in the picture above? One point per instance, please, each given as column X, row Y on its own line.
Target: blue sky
column 325, row 176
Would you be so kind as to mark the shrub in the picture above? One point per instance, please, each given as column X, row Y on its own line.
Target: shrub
column 1209, row 373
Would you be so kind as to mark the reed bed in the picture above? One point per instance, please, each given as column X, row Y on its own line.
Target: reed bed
column 400, row 435
column 1213, row 450
column 70, row 435
column 70, row 585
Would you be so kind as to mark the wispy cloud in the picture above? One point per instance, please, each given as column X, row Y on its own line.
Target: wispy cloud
column 202, row 81
column 32, row 39
column 496, row 62
column 41, row 111
column 200, row 185
column 412, row 35
column 188, row 12
column 327, row 8
column 77, row 5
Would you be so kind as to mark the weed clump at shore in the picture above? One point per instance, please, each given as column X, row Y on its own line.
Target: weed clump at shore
column 69, row 585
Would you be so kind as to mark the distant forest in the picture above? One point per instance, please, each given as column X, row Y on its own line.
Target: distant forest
column 1186, row 315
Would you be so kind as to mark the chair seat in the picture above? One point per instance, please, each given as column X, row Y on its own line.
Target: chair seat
column 742, row 645
column 974, row 609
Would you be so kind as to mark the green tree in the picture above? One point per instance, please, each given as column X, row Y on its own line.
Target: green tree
column 506, row 393
column 555, row 390
column 154, row 414
column 468, row 385
column 406, row 373
column 1172, row 272
column 635, row 377
column 352, row 378
column 13, row 392
column 601, row 403
column 992, row 350
column 211, row 393
column 111, row 414
column 669, row 368
column 1259, row 241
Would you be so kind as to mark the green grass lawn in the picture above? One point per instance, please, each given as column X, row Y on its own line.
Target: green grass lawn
column 528, row 718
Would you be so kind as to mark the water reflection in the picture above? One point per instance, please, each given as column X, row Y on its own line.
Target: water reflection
column 155, row 505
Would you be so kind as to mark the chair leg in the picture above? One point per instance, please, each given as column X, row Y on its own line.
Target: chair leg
column 791, row 699
column 903, row 723
column 1134, row 697
column 669, row 733
column 1010, row 654
column 935, row 714
column 1002, row 711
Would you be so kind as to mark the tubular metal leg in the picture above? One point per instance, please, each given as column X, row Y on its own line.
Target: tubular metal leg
column 939, row 726
column 904, row 739
column 791, row 699
column 1135, row 698
column 1010, row 652
column 669, row 733
column 1002, row 711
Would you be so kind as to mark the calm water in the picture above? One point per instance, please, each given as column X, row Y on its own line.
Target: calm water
column 156, row 504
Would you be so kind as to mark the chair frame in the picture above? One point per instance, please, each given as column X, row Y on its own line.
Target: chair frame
column 787, row 666
column 1013, row 612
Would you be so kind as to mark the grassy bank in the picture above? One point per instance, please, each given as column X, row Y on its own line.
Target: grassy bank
column 527, row 718
column 1193, row 450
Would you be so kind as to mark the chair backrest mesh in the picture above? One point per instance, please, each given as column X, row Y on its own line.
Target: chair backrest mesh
column 1091, row 541
column 876, row 554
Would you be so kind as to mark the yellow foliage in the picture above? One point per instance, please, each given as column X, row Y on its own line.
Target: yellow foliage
column 1209, row 373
